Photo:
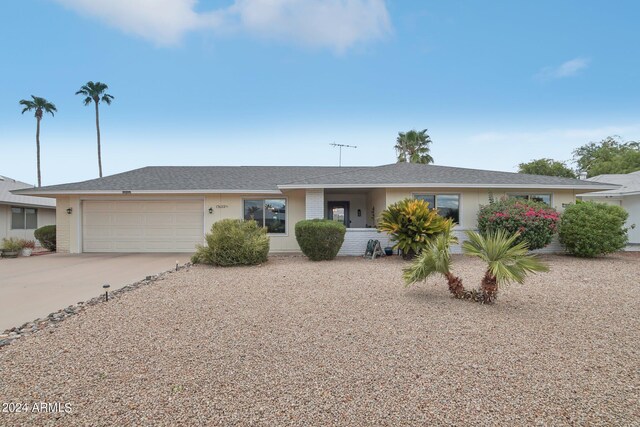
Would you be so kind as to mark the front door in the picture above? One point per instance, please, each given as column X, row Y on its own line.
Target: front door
column 339, row 211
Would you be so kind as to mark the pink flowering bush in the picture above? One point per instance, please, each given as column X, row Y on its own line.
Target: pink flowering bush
column 536, row 222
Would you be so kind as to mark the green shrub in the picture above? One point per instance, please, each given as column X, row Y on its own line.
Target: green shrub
column 535, row 221
column 234, row 242
column 12, row 244
column 320, row 239
column 590, row 229
column 46, row 236
column 411, row 224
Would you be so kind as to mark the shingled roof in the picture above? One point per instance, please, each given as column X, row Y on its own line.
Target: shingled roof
column 272, row 179
column 7, row 185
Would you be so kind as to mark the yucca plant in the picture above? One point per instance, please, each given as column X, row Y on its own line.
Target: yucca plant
column 411, row 225
column 507, row 261
column 435, row 258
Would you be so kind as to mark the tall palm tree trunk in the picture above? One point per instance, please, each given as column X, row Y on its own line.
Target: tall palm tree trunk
column 489, row 287
column 38, row 150
column 98, row 134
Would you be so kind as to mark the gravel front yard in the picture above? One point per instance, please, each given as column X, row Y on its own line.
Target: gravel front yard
column 342, row 343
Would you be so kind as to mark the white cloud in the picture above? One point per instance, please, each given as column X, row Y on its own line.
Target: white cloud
column 336, row 24
column 566, row 69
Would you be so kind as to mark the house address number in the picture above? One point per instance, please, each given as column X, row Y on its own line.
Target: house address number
column 221, row 206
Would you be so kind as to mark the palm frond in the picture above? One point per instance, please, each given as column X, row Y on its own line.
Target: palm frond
column 434, row 258
column 506, row 262
column 95, row 92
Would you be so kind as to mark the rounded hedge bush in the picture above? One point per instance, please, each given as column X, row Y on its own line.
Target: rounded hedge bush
column 46, row 236
column 320, row 239
column 234, row 242
column 590, row 229
column 535, row 221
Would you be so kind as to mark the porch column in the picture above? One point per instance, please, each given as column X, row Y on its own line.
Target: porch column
column 314, row 203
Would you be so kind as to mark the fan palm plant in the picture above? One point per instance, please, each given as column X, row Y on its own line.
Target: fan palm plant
column 435, row 258
column 95, row 92
column 40, row 106
column 506, row 260
column 413, row 147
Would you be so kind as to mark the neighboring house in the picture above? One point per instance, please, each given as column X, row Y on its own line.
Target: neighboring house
column 20, row 215
column 627, row 196
column 168, row 209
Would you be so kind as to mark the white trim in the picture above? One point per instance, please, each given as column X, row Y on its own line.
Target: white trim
column 611, row 195
column 133, row 192
column 286, row 213
column 448, row 185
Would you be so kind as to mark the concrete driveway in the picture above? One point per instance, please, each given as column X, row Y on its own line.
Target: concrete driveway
column 35, row 286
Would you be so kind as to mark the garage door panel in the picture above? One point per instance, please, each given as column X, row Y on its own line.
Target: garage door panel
column 97, row 219
column 142, row 226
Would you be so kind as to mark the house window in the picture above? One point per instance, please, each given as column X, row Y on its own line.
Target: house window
column 270, row 213
column 448, row 205
column 544, row 198
column 24, row 218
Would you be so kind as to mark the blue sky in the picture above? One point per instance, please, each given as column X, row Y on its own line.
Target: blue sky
column 256, row 82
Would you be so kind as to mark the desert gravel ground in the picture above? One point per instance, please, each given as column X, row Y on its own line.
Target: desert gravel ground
column 294, row 342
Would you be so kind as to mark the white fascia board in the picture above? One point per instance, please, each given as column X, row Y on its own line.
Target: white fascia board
column 27, row 205
column 448, row 185
column 616, row 195
column 53, row 193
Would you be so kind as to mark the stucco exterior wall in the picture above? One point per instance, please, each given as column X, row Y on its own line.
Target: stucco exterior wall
column 472, row 199
column 231, row 206
column 377, row 202
column 632, row 205
column 46, row 216
column 69, row 226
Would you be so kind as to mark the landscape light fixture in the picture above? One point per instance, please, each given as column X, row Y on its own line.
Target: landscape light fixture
column 69, row 210
column 106, row 293
column 177, row 265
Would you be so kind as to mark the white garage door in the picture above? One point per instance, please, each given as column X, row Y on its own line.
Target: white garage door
column 142, row 226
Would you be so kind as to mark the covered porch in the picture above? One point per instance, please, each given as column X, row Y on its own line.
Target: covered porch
column 357, row 208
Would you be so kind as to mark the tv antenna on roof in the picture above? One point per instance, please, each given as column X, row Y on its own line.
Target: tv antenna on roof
column 340, row 147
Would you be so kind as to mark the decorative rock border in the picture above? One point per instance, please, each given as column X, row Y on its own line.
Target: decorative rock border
column 53, row 319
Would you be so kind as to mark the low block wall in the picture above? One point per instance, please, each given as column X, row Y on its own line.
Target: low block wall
column 355, row 242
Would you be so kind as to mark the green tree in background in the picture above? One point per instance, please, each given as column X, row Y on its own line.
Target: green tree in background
column 547, row 167
column 609, row 156
column 95, row 92
column 41, row 106
column 413, row 147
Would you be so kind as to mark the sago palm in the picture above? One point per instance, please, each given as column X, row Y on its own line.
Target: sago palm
column 40, row 106
column 506, row 260
column 95, row 92
column 435, row 258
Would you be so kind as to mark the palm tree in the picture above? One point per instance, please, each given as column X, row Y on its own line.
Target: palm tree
column 41, row 106
column 95, row 92
column 506, row 262
column 436, row 258
column 413, row 147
